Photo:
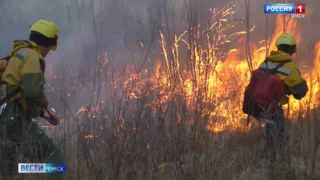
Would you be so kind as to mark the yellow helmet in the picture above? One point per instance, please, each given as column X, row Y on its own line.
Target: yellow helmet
column 286, row 39
column 47, row 28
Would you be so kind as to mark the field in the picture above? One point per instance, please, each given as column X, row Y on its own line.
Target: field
column 178, row 115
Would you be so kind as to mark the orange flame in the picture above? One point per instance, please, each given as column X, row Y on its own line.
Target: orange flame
column 225, row 86
column 218, row 80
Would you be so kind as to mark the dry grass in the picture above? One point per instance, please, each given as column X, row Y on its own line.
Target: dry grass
column 156, row 146
column 165, row 154
column 178, row 153
column 149, row 127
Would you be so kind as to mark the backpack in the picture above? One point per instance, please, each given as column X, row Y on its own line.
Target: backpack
column 3, row 64
column 263, row 93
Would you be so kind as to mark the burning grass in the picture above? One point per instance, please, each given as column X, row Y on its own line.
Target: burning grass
column 173, row 120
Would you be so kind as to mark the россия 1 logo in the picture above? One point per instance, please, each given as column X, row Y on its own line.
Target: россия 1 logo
column 296, row 10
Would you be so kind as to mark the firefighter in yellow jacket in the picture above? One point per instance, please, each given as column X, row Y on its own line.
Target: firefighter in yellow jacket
column 294, row 84
column 25, row 73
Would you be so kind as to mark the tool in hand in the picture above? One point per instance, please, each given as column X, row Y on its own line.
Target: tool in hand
column 52, row 119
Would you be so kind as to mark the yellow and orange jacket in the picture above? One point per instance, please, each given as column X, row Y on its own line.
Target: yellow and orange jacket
column 25, row 70
column 294, row 84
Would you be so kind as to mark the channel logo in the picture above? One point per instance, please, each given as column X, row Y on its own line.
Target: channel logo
column 41, row 168
column 284, row 8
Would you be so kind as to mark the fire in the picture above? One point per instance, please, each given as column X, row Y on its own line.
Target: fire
column 82, row 109
column 226, row 84
column 209, row 82
column 311, row 101
column 241, row 75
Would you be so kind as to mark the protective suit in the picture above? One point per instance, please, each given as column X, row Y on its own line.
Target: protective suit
column 25, row 70
column 293, row 82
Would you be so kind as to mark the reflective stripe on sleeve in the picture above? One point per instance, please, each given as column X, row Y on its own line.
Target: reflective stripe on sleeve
column 282, row 70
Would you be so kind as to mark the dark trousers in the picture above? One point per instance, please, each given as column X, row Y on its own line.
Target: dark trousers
column 19, row 132
column 276, row 133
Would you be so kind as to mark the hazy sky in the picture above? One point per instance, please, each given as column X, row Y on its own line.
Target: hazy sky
column 117, row 21
column 115, row 25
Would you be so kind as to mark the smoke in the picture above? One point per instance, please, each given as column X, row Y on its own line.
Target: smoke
column 265, row 26
column 71, row 51
column 116, row 28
